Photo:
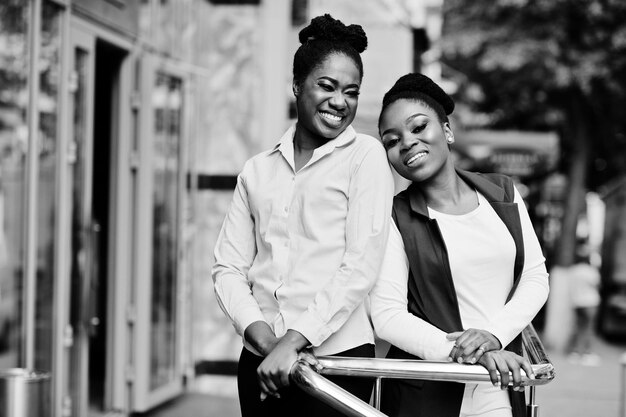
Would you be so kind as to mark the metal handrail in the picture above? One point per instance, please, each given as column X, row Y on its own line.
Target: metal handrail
column 321, row 388
column 312, row 382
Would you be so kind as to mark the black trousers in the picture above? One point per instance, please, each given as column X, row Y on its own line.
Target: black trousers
column 293, row 401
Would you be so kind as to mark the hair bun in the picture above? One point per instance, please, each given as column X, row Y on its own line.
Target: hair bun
column 419, row 83
column 330, row 29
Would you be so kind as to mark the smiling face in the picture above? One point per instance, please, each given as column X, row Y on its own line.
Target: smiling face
column 328, row 98
column 415, row 140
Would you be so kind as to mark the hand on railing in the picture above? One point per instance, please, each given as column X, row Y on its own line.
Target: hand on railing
column 505, row 368
column 306, row 374
column 471, row 344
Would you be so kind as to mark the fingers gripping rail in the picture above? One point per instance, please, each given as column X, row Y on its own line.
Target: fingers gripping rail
column 308, row 371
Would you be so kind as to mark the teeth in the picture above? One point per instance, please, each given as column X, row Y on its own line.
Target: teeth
column 330, row 116
column 416, row 157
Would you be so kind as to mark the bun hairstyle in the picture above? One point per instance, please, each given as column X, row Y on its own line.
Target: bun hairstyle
column 325, row 36
column 333, row 30
column 421, row 88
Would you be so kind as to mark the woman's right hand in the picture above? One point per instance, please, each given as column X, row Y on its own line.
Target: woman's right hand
column 273, row 372
column 503, row 361
column 471, row 344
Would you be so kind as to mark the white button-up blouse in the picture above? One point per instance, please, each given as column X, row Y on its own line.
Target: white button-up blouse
column 301, row 250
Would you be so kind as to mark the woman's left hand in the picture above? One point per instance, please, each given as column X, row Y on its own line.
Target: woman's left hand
column 273, row 373
column 471, row 344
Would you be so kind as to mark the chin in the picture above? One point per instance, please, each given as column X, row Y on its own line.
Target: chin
column 412, row 175
column 331, row 133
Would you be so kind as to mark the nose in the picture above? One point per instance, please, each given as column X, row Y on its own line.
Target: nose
column 338, row 101
column 408, row 141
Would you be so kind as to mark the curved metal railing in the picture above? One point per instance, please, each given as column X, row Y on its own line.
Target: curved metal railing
column 308, row 371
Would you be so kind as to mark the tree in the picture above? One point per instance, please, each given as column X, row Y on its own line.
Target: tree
column 548, row 64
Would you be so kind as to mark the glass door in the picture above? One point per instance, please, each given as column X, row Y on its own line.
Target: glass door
column 82, row 228
column 166, row 101
column 98, row 335
column 159, row 339
column 94, row 105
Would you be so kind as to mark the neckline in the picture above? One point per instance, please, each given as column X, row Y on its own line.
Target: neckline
column 471, row 213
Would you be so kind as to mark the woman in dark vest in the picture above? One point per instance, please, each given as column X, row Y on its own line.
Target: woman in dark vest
column 463, row 272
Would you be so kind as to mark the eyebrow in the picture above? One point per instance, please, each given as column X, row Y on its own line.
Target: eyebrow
column 413, row 116
column 408, row 119
column 332, row 80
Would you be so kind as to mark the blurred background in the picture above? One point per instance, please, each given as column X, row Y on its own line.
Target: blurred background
column 124, row 123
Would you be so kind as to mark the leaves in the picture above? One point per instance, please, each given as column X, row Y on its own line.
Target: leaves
column 522, row 61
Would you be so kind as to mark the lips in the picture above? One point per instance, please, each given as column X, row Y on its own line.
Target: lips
column 415, row 158
column 331, row 119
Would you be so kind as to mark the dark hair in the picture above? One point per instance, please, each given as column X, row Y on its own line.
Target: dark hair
column 415, row 86
column 324, row 36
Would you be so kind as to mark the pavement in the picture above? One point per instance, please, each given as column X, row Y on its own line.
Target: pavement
column 577, row 390
column 585, row 391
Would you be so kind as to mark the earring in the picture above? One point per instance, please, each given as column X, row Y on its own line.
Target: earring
column 450, row 139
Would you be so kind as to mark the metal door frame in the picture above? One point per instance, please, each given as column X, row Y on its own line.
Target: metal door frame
column 145, row 398
column 83, row 34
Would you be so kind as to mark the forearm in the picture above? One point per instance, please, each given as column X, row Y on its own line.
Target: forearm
column 295, row 340
column 235, row 298
column 261, row 337
column 413, row 335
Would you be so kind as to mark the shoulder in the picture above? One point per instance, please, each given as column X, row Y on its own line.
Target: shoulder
column 366, row 144
column 498, row 179
column 255, row 168
column 402, row 195
column 502, row 181
column 366, row 151
column 401, row 201
column 259, row 161
column 367, row 139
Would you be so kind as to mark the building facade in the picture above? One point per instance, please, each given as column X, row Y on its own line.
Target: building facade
column 106, row 107
column 123, row 125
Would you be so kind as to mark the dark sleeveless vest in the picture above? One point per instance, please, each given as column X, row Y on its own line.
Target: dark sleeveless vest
column 432, row 296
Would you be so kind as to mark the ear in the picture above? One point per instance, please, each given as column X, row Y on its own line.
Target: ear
column 296, row 89
column 447, row 130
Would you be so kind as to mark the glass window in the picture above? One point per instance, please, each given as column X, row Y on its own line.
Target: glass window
column 47, row 105
column 167, row 102
column 13, row 148
column 299, row 12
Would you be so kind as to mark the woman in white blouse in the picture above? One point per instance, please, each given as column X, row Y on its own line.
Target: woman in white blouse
column 303, row 240
column 463, row 272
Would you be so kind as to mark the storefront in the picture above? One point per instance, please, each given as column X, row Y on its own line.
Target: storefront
column 108, row 111
column 95, row 208
column 123, row 124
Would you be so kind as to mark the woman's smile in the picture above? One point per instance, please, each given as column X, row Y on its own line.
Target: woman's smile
column 416, row 158
column 331, row 119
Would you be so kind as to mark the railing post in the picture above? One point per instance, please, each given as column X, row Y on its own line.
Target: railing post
column 378, row 386
column 532, row 409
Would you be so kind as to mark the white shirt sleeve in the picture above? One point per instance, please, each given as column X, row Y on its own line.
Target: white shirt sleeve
column 532, row 290
column 234, row 253
column 392, row 321
column 367, row 225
